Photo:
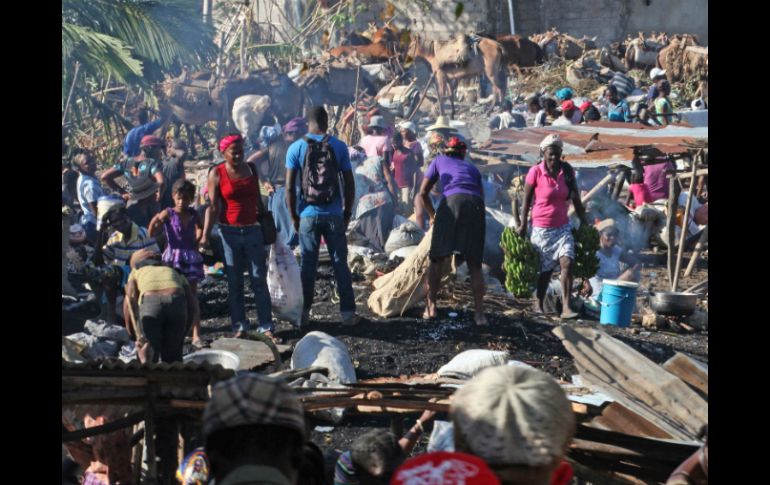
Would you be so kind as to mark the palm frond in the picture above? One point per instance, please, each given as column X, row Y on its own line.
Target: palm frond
column 169, row 33
column 98, row 54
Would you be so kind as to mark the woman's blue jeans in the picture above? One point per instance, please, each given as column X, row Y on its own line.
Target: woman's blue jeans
column 244, row 250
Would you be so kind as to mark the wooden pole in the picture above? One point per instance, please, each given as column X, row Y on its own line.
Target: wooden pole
column 72, row 90
column 149, row 435
column 685, row 225
column 593, row 191
column 422, row 97
column 355, row 106
column 438, row 96
column 243, row 46
column 704, row 237
column 673, row 198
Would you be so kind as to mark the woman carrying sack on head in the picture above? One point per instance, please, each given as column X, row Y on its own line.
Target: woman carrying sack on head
column 552, row 185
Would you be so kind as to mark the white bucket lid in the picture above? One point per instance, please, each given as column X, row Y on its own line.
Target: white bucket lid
column 627, row 284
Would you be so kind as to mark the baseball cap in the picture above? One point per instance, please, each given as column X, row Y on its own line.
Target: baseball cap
column 656, row 71
column 568, row 105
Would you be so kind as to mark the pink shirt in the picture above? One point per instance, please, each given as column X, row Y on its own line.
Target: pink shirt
column 550, row 205
column 641, row 194
column 375, row 145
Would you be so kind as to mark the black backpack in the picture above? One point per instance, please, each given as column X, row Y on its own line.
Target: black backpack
column 320, row 173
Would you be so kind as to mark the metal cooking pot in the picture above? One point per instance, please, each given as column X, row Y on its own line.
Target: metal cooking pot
column 226, row 359
column 675, row 304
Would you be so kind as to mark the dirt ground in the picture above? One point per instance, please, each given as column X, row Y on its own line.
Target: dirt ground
column 408, row 345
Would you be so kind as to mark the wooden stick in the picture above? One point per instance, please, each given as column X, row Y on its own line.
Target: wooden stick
column 593, row 191
column 700, row 173
column 72, row 90
column 438, row 96
column 104, row 428
column 149, row 434
column 290, row 374
column 697, row 287
column 392, row 403
column 355, row 107
column 673, row 200
column 704, row 237
column 422, row 97
column 685, row 228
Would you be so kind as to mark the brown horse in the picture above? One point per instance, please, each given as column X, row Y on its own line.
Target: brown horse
column 374, row 52
column 454, row 60
column 518, row 51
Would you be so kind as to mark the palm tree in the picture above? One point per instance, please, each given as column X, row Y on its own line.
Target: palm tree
column 130, row 42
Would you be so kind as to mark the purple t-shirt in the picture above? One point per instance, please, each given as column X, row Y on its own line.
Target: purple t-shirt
column 456, row 176
column 655, row 179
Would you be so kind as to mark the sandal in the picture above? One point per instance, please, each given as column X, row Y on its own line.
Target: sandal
column 569, row 315
column 272, row 337
column 197, row 343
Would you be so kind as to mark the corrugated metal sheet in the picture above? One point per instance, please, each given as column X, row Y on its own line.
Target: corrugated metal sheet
column 596, row 144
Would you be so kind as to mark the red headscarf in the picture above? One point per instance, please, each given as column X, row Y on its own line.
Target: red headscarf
column 229, row 140
column 455, row 145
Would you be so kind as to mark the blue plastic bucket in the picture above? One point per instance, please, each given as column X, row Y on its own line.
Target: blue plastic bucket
column 617, row 299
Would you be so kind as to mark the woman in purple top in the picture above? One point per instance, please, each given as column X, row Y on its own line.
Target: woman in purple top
column 458, row 223
column 183, row 228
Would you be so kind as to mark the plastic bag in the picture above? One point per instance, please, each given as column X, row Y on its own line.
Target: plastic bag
column 469, row 363
column 406, row 234
column 321, row 349
column 284, row 284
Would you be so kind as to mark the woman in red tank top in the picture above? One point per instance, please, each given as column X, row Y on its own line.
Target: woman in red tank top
column 235, row 205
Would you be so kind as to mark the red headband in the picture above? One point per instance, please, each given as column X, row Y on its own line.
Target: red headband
column 229, row 140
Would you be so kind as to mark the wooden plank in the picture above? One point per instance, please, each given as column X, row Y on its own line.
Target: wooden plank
column 103, row 381
column 694, row 373
column 104, row 428
column 616, row 417
column 639, row 384
column 252, row 353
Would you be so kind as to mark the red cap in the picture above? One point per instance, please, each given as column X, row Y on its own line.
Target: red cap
column 568, row 105
column 585, row 106
column 151, row 141
column 444, row 468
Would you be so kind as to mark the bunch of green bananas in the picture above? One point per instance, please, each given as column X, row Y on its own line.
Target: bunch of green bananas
column 586, row 245
column 521, row 265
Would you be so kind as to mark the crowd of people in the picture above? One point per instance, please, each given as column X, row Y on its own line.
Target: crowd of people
column 564, row 108
column 152, row 235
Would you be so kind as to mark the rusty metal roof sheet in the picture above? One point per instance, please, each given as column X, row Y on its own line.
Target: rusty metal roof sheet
column 598, row 144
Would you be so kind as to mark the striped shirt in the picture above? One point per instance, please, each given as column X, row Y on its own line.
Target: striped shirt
column 118, row 250
column 345, row 470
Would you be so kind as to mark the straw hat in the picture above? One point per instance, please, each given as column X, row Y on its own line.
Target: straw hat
column 442, row 122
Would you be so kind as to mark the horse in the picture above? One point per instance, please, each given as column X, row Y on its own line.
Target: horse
column 455, row 60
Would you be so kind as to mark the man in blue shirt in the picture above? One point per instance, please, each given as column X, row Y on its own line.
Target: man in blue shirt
column 134, row 137
column 88, row 192
column 311, row 221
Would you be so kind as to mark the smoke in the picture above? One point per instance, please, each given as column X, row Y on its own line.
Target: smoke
column 634, row 234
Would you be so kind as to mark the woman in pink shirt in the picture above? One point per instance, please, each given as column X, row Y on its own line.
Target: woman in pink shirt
column 552, row 185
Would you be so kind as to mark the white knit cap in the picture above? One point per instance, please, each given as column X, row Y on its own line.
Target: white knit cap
column 513, row 415
column 408, row 125
column 551, row 140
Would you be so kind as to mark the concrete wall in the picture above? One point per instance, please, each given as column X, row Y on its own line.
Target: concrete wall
column 608, row 20
column 672, row 17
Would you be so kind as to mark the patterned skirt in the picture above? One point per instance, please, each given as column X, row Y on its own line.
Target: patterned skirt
column 551, row 243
